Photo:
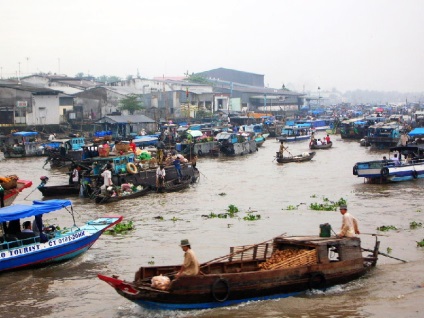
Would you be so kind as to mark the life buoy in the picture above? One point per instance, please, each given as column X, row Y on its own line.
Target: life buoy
column 200, row 152
column 217, row 286
column 355, row 170
column 415, row 174
column 131, row 168
column 384, row 172
column 317, row 281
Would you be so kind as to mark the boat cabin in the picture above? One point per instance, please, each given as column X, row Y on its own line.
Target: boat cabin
column 283, row 252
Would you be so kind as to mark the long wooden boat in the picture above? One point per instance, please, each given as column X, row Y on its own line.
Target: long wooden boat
column 175, row 185
column 59, row 190
column 281, row 267
column 324, row 146
column 306, row 156
column 103, row 198
column 21, row 250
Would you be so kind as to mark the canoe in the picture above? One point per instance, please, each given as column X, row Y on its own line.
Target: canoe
column 325, row 146
column 59, row 190
column 102, row 199
column 280, row 267
column 306, row 156
column 19, row 251
column 175, row 185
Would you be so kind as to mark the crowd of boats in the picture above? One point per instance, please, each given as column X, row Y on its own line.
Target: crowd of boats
column 320, row 261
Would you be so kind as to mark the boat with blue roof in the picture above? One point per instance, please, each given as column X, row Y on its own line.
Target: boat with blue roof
column 21, row 249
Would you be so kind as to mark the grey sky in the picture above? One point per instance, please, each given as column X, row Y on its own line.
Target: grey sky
column 362, row 44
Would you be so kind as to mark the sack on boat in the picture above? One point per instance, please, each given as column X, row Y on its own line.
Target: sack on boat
column 161, row 282
column 305, row 154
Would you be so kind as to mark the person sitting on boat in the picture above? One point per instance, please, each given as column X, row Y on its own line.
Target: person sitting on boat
column 327, row 139
column 132, row 146
column 319, row 143
column 349, row 224
column 396, row 160
column 191, row 264
column 160, row 176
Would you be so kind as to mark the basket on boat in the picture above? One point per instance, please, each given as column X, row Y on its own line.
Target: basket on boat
column 9, row 182
column 122, row 147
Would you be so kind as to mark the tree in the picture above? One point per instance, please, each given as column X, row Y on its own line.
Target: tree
column 195, row 78
column 131, row 103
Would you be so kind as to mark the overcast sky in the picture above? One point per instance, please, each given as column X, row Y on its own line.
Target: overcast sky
column 342, row 44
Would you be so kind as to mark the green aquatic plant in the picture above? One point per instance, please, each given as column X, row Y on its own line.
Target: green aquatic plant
column 232, row 210
column 414, row 225
column 222, row 194
column 292, row 207
column 252, row 217
column 121, row 228
column 385, row 228
column 421, row 243
column 389, row 250
column 327, row 205
column 151, row 262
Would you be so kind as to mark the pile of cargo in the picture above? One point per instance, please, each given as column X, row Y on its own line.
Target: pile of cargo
column 9, row 182
column 289, row 258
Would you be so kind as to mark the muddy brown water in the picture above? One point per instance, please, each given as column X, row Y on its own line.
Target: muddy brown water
column 253, row 183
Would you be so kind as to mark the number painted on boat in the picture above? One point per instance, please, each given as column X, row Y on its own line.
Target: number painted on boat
column 41, row 246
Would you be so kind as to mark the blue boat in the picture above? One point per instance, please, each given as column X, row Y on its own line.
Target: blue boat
column 383, row 135
column 22, row 144
column 409, row 167
column 296, row 133
column 23, row 250
column 233, row 144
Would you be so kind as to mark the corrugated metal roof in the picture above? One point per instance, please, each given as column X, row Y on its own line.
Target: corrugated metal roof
column 36, row 90
column 123, row 119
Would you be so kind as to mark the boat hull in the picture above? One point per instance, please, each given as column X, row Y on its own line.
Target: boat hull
column 246, row 276
column 61, row 248
column 297, row 158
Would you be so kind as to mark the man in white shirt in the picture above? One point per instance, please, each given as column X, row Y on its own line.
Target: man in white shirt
column 107, row 177
column 349, row 224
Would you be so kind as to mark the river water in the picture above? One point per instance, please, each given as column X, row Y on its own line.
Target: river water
column 254, row 183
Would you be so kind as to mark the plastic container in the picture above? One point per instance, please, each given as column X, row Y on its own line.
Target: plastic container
column 325, row 230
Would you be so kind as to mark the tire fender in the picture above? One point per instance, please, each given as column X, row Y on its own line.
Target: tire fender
column 415, row 174
column 220, row 282
column 317, row 280
column 384, row 172
column 131, row 168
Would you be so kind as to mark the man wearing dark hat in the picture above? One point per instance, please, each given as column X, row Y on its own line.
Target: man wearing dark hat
column 191, row 264
column 349, row 224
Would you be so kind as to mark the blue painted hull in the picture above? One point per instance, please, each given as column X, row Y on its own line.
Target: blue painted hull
column 208, row 305
column 48, row 256
column 63, row 247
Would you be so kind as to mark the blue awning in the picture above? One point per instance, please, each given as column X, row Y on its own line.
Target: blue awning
column 19, row 211
column 416, row 132
column 25, row 133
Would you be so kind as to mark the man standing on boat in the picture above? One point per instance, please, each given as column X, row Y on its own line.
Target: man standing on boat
column 349, row 224
column 191, row 264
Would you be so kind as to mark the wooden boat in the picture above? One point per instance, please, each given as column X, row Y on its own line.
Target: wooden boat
column 281, row 267
column 175, row 185
column 322, row 146
column 234, row 144
column 22, row 144
column 106, row 198
column 19, row 251
column 11, row 194
column 59, row 190
column 306, row 156
column 383, row 135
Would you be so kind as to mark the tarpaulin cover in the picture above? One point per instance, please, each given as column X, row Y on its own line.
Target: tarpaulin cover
column 19, row 211
column 416, row 132
column 25, row 133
